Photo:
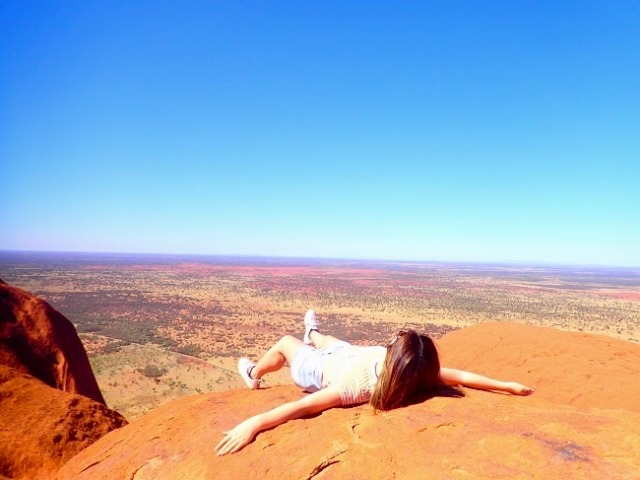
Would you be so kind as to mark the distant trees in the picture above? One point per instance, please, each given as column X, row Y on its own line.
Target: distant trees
column 114, row 347
column 190, row 349
column 152, row 371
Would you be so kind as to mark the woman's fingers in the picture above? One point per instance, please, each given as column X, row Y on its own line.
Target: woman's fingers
column 224, row 445
column 236, row 438
column 227, row 448
column 527, row 391
column 229, row 444
column 519, row 389
column 524, row 390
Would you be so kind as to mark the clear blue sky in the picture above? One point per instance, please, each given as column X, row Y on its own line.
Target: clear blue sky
column 429, row 130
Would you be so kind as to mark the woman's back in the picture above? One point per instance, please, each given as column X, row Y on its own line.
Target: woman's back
column 352, row 369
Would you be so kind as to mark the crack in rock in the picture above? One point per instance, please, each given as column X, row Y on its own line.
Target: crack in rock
column 90, row 466
column 148, row 465
column 326, row 463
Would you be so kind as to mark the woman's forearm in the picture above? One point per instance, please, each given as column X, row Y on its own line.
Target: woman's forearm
column 452, row 376
column 315, row 402
column 279, row 415
column 474, row 380
column 245, row 432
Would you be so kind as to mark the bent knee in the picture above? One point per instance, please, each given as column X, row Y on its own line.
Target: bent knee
column 288, row 346
column 288, row 340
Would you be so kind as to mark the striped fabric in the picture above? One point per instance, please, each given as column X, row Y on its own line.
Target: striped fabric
column 353, row 371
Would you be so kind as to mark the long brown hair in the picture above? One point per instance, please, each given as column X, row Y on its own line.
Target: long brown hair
column 411, row 369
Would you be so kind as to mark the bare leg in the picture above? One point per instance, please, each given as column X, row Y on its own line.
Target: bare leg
column 311, row 334
column 320, row 340
column 277, row 356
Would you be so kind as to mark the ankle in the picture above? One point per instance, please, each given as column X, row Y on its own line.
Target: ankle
column 313, row 333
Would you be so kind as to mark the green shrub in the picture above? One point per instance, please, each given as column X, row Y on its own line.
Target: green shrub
column 152, row 371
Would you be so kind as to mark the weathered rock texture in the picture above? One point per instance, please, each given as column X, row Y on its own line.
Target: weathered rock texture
column 42, row 426
column 582, row 422
column 38, row 340
column 577, row 369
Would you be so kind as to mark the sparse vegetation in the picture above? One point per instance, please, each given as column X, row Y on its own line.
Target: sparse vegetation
column 152, row 371
column 113, row 347
column 190, row 349
column 156, row 331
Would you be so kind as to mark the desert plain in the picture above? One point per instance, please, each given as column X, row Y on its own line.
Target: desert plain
column 157, row 328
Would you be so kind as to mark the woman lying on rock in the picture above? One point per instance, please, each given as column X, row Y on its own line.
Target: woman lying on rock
column 337, row 373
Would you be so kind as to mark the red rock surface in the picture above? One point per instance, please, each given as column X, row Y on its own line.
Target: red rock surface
column 42, row 427
column 38, row 340
column 583, row 422
column 50, row 405
column 578, row 369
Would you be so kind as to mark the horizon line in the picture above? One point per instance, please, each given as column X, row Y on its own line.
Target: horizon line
column 513, row 263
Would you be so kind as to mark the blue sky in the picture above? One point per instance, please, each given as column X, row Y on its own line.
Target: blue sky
column 452, row 131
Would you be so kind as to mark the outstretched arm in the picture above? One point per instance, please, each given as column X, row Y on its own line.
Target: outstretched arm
column 244, row 432
column 452, row 376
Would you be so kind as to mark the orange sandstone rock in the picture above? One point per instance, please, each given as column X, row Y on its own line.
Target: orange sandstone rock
column 570, row 428
column 568, row 368
column 50, row 405
column 42, row 427
column 37, row 339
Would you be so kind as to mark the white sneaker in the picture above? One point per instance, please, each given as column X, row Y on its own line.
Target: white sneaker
column 310, row 324
column 244, row 368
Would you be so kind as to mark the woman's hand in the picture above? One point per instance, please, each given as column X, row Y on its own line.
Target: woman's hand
column 237, row 437
column 519, row 389
column 243, row 433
